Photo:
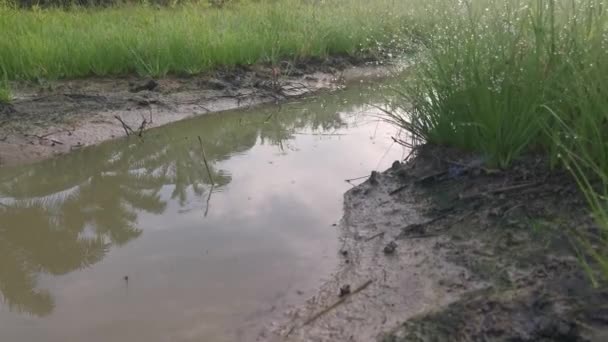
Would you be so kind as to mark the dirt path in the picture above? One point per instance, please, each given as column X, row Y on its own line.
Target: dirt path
column 50, row 119
column 456, row 252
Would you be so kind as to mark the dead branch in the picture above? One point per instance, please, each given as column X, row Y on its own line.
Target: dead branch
column 432, row 176
column 357, row 178
column 127, row 128
column 409, row 155
column 334, row 305
column 337, row 303
column 399, row 189
column 349, row 181
column 374, row 236
column 142, row 126
column 420, row 227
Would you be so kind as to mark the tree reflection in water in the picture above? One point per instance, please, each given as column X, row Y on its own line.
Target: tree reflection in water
column 65, row 214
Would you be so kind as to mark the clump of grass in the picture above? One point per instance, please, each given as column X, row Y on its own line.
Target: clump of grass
column 593, row 181
column 581, row 144
column 189, row 38
column 489, row 68
column 505, row 78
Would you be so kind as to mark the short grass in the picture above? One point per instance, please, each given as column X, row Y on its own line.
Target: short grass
column 190, row 38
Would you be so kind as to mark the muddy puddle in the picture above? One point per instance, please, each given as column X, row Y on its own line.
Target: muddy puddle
column 128, row 240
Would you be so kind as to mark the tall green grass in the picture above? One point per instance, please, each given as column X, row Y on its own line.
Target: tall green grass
column 592, row 178
column 581, row 144
column 489, row 68
column 504, row 78
column 189, row 38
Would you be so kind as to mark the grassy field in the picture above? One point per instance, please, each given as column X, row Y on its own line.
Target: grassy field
column 505, row 78
column 189, row 38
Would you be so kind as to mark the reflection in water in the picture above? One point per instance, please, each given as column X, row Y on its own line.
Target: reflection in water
column 66, row 214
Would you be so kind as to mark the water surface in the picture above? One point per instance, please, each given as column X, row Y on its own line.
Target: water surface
column 129, row 241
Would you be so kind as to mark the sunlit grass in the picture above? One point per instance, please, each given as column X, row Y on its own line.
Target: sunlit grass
column 189, row 38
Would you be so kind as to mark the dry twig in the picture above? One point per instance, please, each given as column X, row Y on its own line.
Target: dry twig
column 334, row 305
column 374, row 236
column 127, row 128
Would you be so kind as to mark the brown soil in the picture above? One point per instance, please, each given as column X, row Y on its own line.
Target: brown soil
column 47, row 119
column 458, row 251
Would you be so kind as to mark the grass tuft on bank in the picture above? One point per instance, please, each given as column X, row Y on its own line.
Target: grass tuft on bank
column 491, row 69
column 190, row 38
column 506, row 78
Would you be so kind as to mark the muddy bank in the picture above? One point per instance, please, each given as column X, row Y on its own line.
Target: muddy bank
column 444, row 248
column 48, row 119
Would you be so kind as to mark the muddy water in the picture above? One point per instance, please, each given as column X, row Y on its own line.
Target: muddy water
column 128, row 241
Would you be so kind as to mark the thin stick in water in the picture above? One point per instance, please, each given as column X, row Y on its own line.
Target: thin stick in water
column 208, row 200
column 205, row 160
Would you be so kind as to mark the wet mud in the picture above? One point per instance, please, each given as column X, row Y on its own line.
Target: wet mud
column 52, row 118
column 455, row 250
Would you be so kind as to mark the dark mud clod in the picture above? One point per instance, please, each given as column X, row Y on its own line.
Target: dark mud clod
column 147, row 85
column 6, row 109
column 344, row 252
column 373, row 178
column 396, row 165
column 344, row 290
column 390, row 248
column 214, row 84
